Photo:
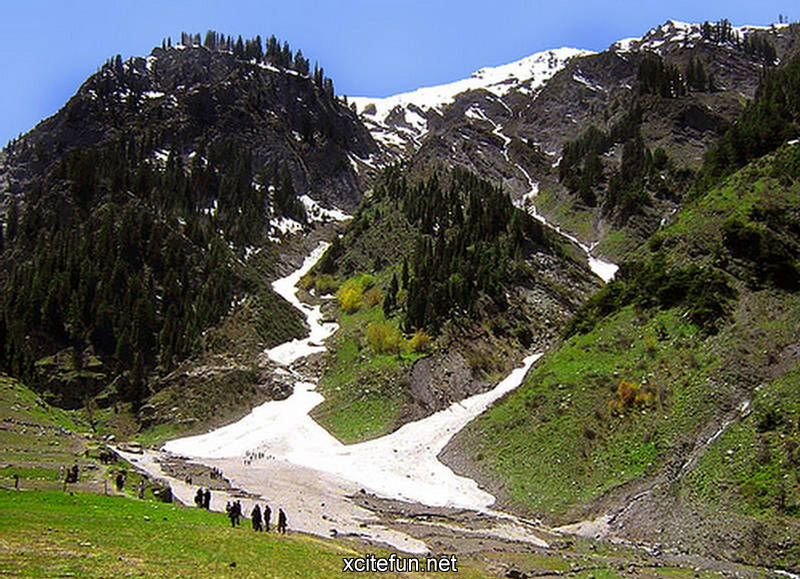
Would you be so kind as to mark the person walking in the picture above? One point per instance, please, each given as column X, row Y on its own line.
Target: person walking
column 267, row 516
column 281, row 521
column 255, row 517
column 237, row 509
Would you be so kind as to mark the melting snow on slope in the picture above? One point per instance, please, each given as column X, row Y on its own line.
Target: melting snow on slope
column 286, row 287
column 605, row 270
column 402, row 464
column 316, row 212
column 285, row 225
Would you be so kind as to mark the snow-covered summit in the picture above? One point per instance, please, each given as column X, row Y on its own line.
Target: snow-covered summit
column 529, row 73
column 400, row 119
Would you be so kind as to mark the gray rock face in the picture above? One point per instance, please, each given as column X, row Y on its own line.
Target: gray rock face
column 187, row 97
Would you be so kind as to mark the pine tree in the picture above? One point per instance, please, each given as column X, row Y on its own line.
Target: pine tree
column 388, row 305
column 300, row 63
column 286, row 55
column 238, row 48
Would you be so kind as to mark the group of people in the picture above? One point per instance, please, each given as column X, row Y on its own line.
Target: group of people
column 202, row 498
column 254, row 455
column 260, row 519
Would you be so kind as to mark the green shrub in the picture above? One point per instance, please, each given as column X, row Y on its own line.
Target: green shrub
column 349, row 298
column 383, row 338
column 351, row 294
column 373, row 297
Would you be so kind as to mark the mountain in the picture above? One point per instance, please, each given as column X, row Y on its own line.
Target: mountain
column 143, row 223
column 146, row 211
column 511, row 124
column 670, row 406
column 399, row 122
column 184, row 98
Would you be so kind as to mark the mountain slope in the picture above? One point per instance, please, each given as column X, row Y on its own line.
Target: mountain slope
column 514, row 133
column 668, row 415
column 144, row 213
column 443, row 285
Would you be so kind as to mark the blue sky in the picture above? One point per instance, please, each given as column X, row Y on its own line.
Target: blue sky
column 373, row 48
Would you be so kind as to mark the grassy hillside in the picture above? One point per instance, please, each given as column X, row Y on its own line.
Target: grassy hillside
column 36, row 440
column 659, row 362
column 53, row 534
column 364, row 387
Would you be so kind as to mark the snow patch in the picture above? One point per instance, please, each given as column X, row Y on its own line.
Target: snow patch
column 401, row 465
column 475, row 112
column 285, row 225
column 316, row 212
column 579, row 77
column 161, row 156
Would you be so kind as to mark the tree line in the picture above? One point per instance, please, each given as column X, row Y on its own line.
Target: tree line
column 768, row 121
column 272, row 52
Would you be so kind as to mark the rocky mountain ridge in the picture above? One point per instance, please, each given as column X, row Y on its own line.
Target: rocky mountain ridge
column 511, row 128
column 186, row 97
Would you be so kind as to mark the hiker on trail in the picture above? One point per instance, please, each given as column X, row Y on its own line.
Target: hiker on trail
column 207, row 500
column 281, row 521
column 267, row 515
column 256, row 518
column 199, row 498
column 230, row 508
column 142, row 487
column 234, row 513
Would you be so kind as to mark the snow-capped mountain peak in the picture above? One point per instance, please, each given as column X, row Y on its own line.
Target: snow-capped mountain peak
column 400, row 120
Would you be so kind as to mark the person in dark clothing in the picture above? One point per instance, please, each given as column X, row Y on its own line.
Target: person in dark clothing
column 199, row 498
column 232, row 515
column 71, row 476
column 237, row 510
column 120, row 481
column 207, row 500
column 255, row 517
column 281, row 521
column 267, row 515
